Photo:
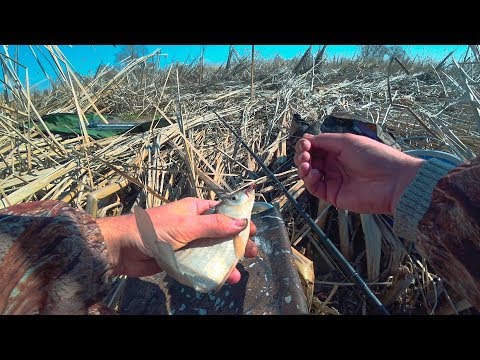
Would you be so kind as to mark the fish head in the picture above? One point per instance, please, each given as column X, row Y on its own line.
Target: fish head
column 238, row 204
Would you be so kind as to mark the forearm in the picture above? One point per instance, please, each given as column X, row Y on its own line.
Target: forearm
column 445, row 224
column 53, row 259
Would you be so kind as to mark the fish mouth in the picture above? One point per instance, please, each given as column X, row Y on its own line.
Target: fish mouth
column 250, row 189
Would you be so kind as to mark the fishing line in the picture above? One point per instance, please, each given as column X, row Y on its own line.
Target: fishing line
column 326, row 242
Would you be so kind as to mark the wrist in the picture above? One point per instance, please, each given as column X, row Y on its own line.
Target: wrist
column 406, row 175
column 118, row 232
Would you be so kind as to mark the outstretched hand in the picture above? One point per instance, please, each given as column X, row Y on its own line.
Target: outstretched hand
column 354, row 172
column 178, row 223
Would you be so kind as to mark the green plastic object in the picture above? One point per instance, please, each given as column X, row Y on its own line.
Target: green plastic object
column 69, row 125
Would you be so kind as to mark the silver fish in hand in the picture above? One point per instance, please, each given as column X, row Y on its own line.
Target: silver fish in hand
column 203, row 264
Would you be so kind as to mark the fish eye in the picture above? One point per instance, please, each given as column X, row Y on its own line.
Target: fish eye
column 233, row 198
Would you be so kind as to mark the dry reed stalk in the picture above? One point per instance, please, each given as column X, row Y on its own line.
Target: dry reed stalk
column 346, row 243
column 322, row 305
column 322, row 205
column 27, row 191
column 373, row 245
column 306, row 271
column 401, row 281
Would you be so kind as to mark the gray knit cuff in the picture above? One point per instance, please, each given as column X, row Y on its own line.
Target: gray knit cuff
column 415, row 200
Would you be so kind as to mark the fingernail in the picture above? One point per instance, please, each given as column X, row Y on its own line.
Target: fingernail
column 242, row 223
column 307, row 136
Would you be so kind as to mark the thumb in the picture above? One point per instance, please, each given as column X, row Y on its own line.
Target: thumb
column 216, row 226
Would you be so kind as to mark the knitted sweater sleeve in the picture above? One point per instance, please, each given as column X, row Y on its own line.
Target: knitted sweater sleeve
column 440, row 211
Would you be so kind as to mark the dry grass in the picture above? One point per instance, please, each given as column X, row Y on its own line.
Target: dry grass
column 433, row 106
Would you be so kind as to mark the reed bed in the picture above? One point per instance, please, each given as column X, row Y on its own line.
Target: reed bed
column 424, row 105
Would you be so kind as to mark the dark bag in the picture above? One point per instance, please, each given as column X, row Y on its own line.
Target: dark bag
column 342, row 122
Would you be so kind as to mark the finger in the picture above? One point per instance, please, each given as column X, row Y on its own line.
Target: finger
column 328, row 142
column 301, row 158
column 215, row 226
column 251, row 250
column 313, row 177
column 315, row 184
column 253, row 229
column 304, row 170
column 204, row 205
column 234, row 277
column 302, row 145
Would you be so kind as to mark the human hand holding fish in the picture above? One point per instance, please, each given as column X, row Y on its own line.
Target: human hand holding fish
column 178, row 223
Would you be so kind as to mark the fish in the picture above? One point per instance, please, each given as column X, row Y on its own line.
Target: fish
column 203, row 264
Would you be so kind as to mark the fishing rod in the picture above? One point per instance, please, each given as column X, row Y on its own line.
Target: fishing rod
column 327, row 243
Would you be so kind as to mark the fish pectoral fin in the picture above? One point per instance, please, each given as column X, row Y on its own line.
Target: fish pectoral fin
column 239, row 248
column 240, row 242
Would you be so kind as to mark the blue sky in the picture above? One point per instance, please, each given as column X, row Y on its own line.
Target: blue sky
column 86, row 58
